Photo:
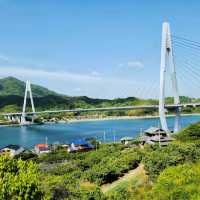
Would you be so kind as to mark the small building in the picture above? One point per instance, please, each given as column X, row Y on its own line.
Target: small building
column 155, row 135
column 12, row 150
column 152, row 131
column 42, row 148
column 126, row 140
column 65, row 146
column 80, row 145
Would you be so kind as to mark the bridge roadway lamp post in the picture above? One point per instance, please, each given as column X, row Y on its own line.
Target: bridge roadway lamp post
column 167, row 58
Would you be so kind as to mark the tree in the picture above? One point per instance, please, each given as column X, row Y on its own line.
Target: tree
column 190, row 133
column 180, row 182
column 18, row 179
column 156, row 160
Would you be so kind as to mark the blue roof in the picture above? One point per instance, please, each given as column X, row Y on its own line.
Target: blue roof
column 83, row 142
column 80, row 142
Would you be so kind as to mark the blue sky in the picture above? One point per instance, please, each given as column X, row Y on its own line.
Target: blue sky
column 98, row 48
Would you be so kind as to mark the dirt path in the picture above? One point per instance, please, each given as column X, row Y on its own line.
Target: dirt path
column 131, row 174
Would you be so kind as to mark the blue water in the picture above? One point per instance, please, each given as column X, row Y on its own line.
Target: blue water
column 27, row 136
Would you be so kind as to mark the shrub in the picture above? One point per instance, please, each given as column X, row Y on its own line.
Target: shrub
column 18, row 179
column 190, row 133
column 157, row 160
column 179, row 182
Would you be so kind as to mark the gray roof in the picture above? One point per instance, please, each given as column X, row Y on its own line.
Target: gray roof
column 126, row 139
column 155, row 138
column 152, row 130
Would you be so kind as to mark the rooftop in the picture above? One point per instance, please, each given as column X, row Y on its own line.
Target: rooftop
column 80, row 142
column 153, row 130
column 41, row 145
column 12, row 146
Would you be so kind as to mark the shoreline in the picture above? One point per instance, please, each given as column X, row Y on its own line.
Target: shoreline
column 124, row 118
column 103, row 119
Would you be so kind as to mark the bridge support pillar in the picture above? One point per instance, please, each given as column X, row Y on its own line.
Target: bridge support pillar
column 27, row 90
column 13, row 118
column 18, row 119
column 167, row 58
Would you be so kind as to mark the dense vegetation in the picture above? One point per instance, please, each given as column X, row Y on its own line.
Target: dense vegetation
column 19, row 179
column 190, row 133
column 82, row 174
column 178, row 182
column 155, row 160
column 171, row 172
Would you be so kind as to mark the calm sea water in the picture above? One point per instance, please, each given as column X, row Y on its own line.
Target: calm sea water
column 27, row 136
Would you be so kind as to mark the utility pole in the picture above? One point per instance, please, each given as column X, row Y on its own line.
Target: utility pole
column 141, row 132
column 46, row 139
column 114, row 139
column 104, row 136
column 159, row 137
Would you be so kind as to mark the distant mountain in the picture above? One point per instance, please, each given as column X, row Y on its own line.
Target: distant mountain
column 13, row 86
column 12, row 94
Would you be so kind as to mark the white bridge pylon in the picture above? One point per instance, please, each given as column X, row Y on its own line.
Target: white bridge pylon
column 167, row 60
column 27, row 90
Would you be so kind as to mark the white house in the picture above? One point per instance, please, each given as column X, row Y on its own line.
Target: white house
column 12, row 150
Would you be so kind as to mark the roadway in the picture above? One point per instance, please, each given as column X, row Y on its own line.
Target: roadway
column 167, row 106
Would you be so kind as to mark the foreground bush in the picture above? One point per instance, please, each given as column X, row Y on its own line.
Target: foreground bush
column 180, row 182
column 18, row 180
column 190, row 133
column 156, row 160
column 69, row 179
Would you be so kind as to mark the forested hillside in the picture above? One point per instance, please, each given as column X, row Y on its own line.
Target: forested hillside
column 12, row 94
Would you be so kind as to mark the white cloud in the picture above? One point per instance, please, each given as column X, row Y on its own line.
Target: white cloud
column 133, row 64
column 138, row 64
column 95, row 73
column 78, row 89
column 121, row 65
column 76, row 84
column 4, row 58
column 44, row 74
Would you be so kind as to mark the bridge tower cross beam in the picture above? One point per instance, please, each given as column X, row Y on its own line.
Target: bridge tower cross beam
column 27, row 90
column 167, row 58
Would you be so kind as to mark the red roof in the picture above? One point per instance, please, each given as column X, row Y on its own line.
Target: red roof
column 41, row 145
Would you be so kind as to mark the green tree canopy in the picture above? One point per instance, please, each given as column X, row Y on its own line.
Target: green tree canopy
column 190, row 133
column 18, row 180
column 179, row 182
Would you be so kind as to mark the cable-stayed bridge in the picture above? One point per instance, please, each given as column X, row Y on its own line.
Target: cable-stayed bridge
column 170, row 60
column 167, row 106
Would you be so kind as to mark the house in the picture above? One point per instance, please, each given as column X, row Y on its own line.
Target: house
column 12, row 150
column 65, row 146
column 80, row 145
column 42, row 148
column 126, row 140
column 152, row 131
column 155, row 135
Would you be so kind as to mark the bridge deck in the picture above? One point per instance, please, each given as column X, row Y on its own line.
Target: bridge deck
column 167, row 106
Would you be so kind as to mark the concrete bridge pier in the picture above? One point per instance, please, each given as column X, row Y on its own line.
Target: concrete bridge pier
column 23, row 119
column 23, row 116
column 6, row 117
column 18, row 119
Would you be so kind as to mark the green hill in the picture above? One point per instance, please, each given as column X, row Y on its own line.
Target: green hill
column 13, row 86
column 12, row 94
